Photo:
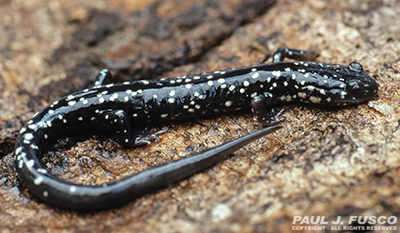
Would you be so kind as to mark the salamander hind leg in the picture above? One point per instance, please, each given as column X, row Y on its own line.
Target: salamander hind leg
column 103, row 78
column 143, row 138
column 262, row 114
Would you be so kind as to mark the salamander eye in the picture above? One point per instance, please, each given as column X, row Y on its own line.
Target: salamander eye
column 356, row 67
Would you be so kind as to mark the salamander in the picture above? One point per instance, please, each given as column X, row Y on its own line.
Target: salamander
column 123, row 110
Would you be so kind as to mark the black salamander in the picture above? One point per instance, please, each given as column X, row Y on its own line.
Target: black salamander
column 121, row 110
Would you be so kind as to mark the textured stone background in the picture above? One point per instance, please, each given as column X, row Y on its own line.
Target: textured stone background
column 330, row 162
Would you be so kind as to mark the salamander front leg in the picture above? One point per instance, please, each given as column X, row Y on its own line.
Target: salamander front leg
column 267, row 118
column 300, row 55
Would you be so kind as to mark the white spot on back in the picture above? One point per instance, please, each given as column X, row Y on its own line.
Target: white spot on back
column 22, row 130
column 315, row 99
column 33, row 127
column 310, row 88
column 28, row 136
column 228, row 103
column 302, row 95
column 18, row 150
column 38, row 180
column 41, row 170
column 30, row 163
column 255, row 75
column 72, row 189
column 276, row 73
column 70, row 103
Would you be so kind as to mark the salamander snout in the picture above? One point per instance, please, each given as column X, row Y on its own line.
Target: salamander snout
column 360, row 86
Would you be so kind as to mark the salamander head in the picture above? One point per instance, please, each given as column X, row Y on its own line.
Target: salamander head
column 336, row 85
column 359, row 87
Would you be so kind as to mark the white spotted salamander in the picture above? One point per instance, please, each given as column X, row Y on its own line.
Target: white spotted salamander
column 121, row 110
